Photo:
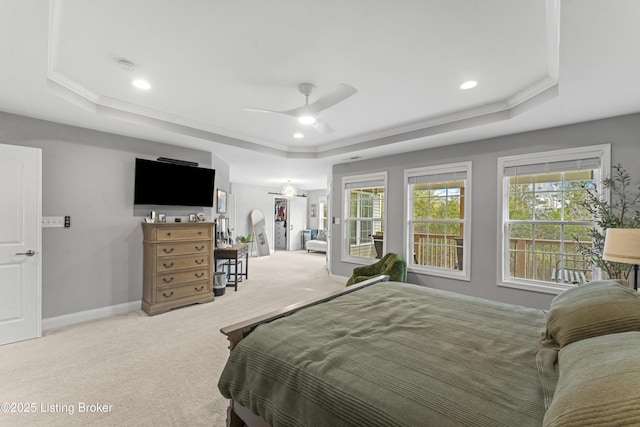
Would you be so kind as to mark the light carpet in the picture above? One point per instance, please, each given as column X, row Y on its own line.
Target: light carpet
column 136, row 370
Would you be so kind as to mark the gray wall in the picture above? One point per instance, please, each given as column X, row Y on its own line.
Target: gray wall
column 314, row 197
column 89, row 175
column 622, row 132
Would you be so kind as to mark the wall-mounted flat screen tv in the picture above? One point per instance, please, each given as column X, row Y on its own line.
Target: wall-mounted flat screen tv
column 161, row 183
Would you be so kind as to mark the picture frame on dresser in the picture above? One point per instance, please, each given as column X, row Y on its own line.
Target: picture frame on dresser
column 221, row 201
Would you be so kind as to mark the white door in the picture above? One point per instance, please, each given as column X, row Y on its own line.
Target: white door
column 297, row 221
column 20, row 243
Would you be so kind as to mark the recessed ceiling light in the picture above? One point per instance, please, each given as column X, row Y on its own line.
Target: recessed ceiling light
column 141, row 84
column 468, row 85
column 306, row 120
column 298, row 135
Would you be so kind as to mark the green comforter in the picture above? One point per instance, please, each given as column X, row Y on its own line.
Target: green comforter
column 393, row 354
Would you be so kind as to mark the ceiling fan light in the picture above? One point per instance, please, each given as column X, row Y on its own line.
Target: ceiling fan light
column 141, row 84
column 468, row 85
column 307, row 120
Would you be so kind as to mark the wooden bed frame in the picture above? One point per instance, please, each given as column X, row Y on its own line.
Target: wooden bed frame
column 239, row 415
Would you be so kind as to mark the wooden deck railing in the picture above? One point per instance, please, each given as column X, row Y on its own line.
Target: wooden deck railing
column 436, row 250
column 545, row 260
column 544, row 264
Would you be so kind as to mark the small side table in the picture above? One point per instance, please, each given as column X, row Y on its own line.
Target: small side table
column 234, row 254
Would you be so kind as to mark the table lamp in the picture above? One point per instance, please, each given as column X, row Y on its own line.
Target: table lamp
column 623, row 245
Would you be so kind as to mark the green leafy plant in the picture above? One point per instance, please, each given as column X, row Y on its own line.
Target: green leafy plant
column 244, row 239
column 621, row 211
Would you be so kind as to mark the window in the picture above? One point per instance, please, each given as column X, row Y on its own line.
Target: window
column 364, row 216
column 438, row 225
column 542, row 216
column 323, row 214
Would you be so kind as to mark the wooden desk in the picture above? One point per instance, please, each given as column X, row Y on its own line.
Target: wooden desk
column 233, row 253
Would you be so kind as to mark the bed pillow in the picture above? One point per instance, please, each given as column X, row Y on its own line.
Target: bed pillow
column 597, row 308
column 599, row 383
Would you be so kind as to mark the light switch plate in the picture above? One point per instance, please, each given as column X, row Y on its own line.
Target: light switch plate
column 52, row 221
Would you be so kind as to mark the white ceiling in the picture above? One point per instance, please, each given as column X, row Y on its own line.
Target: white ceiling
column 538, row 63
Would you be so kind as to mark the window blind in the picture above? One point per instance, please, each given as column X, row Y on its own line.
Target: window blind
column 371, row 183
column 438, row 177
column 550, row 167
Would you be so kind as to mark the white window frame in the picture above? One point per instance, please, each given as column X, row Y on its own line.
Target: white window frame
column 602, row 151
column 377, row 176
column 465, row 273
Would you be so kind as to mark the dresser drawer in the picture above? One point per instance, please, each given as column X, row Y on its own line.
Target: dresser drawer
column 178, row 263
column 171, row 249
column 174, row 278
column 177, row 292
column 188, row 233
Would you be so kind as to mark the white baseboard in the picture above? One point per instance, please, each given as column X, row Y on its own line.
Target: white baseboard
column 84, row 316
column 339, row 278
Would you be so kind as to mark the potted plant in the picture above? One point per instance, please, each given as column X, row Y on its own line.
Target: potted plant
column 621, row 211
column 244, row 239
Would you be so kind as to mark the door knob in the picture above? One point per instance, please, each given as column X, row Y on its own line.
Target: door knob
column 28, row 253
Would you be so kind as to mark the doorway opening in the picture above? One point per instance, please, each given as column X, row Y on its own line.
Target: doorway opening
column 280, row 225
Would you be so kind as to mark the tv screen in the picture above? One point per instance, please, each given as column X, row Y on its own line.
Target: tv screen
column 160, row 183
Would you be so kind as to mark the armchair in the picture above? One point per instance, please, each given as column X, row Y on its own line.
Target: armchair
column 391, row 264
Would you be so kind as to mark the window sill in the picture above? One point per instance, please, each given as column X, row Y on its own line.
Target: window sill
column 540, row 287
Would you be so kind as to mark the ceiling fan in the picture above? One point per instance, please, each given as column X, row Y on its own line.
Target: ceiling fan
column 308, row 113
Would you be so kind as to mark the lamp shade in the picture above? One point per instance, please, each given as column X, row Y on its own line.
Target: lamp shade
column 622, row 245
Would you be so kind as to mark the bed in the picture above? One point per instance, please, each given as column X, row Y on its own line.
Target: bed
column 396, row 354
column 318, row 241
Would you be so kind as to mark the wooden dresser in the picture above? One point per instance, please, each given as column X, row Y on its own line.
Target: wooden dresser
column 178, row 260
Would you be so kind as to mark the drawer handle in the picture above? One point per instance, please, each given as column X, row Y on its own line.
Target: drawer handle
column 199, row 289
column 168, row 234
column 164, row 279
column 164, row 294
column 199, row 275
column 199, row 232
column 164, row 264
column 199, row 261
column 167, row 251
column 199, row 248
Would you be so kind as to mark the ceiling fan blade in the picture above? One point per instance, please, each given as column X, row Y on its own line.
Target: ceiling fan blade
column 259, row 110
column 322, row 127
column 336, row 95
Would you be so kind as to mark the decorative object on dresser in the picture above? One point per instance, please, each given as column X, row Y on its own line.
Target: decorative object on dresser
column 178, row 260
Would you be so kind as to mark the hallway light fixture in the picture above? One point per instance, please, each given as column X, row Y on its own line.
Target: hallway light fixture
column 289, row 190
